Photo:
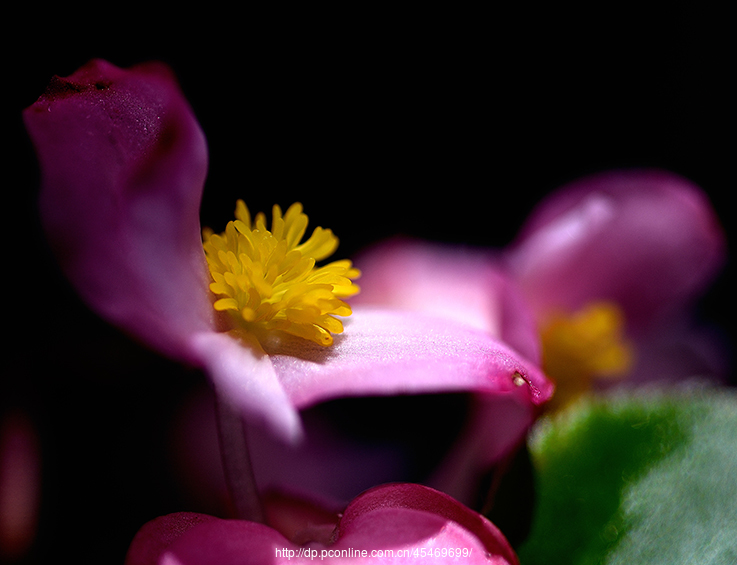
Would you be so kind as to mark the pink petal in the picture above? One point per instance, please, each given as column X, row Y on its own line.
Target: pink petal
column 462, row 284
column 405, row 535
column 405, row 503
column 385, row 352
column 399, row 521
column 157, row 535
column 123, row 164
column 123, row 161
column 648, row 240
column 245, row 376
column 187, row 538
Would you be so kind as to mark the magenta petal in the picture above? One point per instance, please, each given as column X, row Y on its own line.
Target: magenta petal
column 158, row 534
column 409, row 512
column 648, row 240
column 385, row 352
column 123, row 164
column 396, row 523
column 187, row 538
column 229, row 542
column 462, row 284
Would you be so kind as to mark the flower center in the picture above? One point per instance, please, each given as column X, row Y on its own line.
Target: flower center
column 583, row 345
column 267, row 280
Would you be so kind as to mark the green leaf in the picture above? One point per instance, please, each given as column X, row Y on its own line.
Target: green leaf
column 643, row 478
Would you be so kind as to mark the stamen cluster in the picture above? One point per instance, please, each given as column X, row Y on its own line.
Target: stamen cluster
column 267, row 279
column 582, row 346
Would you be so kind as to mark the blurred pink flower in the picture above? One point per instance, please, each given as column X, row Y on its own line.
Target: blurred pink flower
column 608, row 266
column 647, row 240
column 397, row 523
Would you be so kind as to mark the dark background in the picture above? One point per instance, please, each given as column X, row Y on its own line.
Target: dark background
column 448, row 126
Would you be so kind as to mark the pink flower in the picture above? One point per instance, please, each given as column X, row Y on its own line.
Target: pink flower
column 123, row 163
column 647, row 239
column 609, row 268
column 398, row 523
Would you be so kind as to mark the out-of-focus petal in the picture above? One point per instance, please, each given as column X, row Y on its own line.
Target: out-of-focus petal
column 188, row 538
column 123, row 163
column 392, row 524
column 462, row 284
column 646, row 239
column 385, row 352
column 20, row 484
column 679, row 351
column 157, row 535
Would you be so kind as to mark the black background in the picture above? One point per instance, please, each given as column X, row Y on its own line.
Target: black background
column 448, row 126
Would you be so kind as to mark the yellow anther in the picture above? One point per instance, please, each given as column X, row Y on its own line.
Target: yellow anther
column 582, row 346
column 267, row 279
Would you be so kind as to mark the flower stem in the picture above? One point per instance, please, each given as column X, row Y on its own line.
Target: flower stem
column 236, row 458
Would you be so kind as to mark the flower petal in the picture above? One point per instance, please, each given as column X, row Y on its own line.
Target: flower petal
column 245, row 376
column 400, row 523
column 462, row 284
column 123, row 164
column 188, row 538
column 158, row 534
column 400, row 508
column 646, row 239
column 385, row 352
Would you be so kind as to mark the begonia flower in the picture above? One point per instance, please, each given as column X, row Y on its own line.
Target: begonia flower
column 123, row 163
column 609, row 266
column 397, row 523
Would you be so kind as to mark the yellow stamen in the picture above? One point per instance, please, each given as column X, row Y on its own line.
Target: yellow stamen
column 580, row 347
column 267, row 279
